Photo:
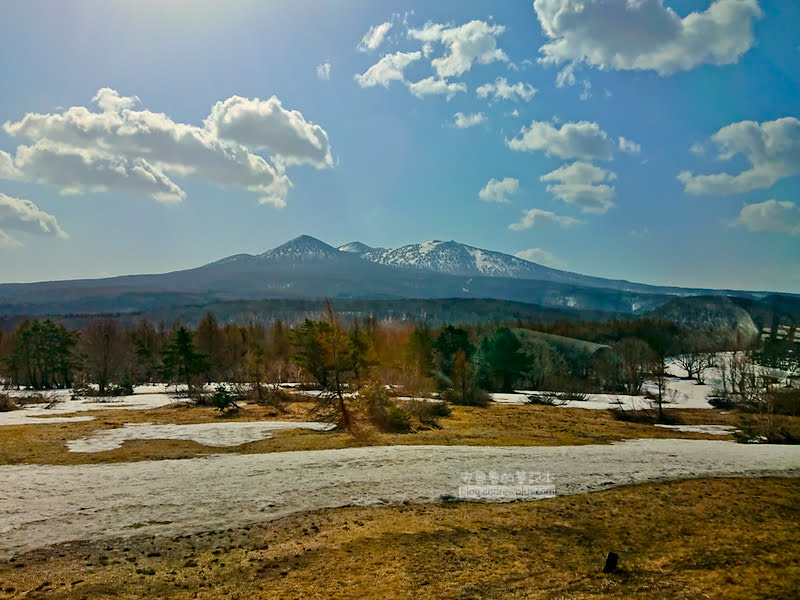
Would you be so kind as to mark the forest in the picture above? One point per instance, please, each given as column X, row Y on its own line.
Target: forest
column 380, row 359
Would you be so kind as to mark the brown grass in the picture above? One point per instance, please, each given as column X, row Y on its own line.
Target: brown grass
column 496, row 425
column 730, row 539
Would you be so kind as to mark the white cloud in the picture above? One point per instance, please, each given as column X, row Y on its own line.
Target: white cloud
column 573, row 140
column 772, row 148
column 499, row 191
column 374, row 37
column 76, row 170
column 436, row 87
column 640, row 233
column 472, row 42
column 463, row 121
column 110, row 101
column 324, row 70
column 698, row 148
column 265, row 124
column 135, row 151
column 542, row 257
column 644, row 34
column 773, row 216
column 502, row 90
column 629, row 146
column 7, row 168
column 587, row 90
column 388, row 69
column 582, row 184
column 535, row 217
column 23, row 215
column 579, row 172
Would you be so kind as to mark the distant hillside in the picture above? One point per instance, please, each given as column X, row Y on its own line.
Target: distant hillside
column 712, row 313
column 434, row 312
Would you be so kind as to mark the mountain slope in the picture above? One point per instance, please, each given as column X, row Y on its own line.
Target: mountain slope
column 454, row 258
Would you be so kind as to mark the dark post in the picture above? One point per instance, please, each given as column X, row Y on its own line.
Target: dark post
column 611, row 562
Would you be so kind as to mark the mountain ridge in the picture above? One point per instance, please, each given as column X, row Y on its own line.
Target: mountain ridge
column 308, row 268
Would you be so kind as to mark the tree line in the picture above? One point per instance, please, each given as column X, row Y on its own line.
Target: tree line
column 459, row 360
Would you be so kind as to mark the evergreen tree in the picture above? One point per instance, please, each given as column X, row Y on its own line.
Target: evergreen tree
column 182, row 363
column 506, row 359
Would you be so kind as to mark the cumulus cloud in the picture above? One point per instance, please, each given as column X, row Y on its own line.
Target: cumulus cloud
column 324, row 70
column 23, row 215
column 499, row 191
column 542, row 257
column 436, row 87
column 265, row 124
column 772, row 148
column 374, row 37
column 7, row 168
column 583, row 185
column 136, row 151
column 110, row 101
column 572, row 140
column 644, row 34
column 502, row 90
column 77, row 170
column 773, row 216
column 472, row 42
column 389, row 68
column 463, row 121
column 535, row 217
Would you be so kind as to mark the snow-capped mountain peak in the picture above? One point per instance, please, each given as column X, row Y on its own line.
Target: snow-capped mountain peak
column 301, row 248
column 455, row 258
column 358, row 248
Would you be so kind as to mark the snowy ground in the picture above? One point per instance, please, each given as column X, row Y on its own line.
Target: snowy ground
column 145, row 397
column 689, row 394
column 44, row 504
column 208, row 434
column 707, row 429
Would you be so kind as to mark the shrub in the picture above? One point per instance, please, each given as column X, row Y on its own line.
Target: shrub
column 474, row 397
column 224, row 400
column 643, row 416
column 397, row 420
column 275, row 397
column 427, row 413
column 786, row 401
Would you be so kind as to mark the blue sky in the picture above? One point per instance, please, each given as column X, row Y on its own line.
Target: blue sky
column 649, row 140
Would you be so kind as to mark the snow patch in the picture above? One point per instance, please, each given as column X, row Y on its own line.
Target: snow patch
column 207, row 434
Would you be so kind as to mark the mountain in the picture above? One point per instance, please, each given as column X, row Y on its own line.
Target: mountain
column 454, row 258
column 359, row 249
column 301, row 249
column 307, row 268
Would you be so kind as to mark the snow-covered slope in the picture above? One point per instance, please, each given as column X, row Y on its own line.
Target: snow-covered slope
column 301, row 249
column 358, row 248
column 454, row 258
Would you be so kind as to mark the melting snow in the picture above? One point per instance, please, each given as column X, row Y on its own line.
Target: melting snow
column 207, row 434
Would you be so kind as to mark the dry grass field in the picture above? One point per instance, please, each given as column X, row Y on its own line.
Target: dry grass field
column 731, row 539
column 495, row 425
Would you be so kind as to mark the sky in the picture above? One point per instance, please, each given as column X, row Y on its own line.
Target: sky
column 656, row 141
